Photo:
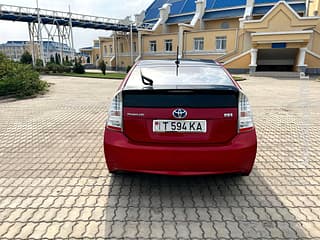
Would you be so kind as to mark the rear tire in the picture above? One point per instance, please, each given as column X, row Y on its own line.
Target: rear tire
column 245, row 174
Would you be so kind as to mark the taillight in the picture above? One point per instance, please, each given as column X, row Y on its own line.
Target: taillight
column 245, row 114
column 115, row 113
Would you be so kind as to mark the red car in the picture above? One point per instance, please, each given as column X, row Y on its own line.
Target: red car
column 180, row 118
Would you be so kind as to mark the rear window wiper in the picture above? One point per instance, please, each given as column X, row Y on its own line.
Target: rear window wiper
column 146, row 81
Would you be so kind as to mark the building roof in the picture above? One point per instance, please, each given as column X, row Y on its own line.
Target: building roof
column 221, row 9
column 86, row 48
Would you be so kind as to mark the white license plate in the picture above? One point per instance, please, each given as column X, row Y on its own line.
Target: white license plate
column 192, row 126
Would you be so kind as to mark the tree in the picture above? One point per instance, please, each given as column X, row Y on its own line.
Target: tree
column 57, row 58
column 26, row 58
column 51, row 59
column 102, row 66
column 78, row 68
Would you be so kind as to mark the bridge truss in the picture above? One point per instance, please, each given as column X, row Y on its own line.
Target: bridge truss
column 48, row 25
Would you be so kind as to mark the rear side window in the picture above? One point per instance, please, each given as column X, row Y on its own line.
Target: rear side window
column 188, row 75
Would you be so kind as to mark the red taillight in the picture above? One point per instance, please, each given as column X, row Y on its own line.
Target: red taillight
column 114, row 121
column 245, row 115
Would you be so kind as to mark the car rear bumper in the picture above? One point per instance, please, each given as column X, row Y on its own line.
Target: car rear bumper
column 236, row 157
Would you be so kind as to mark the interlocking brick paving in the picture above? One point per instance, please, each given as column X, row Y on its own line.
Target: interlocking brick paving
column 54, row 183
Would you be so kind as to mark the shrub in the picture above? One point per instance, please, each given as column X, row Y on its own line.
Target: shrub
column 128, row 68
column 19, row 80
column 78, row 68
column 53, row 67
column 39, row 62
column 67, row 69
column 26, row 58
column 102, row 66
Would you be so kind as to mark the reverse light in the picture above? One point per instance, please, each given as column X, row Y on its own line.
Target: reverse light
column 114, row 121
column 245, row 115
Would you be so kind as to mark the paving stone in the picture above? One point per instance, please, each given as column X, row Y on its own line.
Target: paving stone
column 54, row 183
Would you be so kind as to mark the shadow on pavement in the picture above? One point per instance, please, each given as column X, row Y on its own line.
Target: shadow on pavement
column 224, row 206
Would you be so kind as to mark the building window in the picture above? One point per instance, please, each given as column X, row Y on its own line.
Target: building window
column 153, row 46
column 105, row 50
column 96, row 45
column 198, row 44
column 168, row 45
column 221, row 43
column 110, row 48
column 134, row 46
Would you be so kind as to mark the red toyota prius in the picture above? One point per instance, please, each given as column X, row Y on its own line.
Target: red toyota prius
column 180, row 117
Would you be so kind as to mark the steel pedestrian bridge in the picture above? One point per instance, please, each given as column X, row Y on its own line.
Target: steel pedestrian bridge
column 32, row 15
column 44, row 24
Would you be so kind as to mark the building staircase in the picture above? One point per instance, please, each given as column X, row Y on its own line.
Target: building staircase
column 288, row 75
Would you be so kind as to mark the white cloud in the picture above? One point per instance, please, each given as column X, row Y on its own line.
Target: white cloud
column 82, row 37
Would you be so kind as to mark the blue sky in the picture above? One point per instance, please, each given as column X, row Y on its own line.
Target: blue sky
column 82, row 37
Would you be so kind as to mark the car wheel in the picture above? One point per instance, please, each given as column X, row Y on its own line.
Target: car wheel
column 246, row 173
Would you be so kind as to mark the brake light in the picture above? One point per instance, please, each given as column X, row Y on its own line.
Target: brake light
column 115, row 113
column 245, row 115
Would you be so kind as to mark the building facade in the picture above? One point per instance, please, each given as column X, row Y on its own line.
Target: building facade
column 244, row 35
column 15, row 49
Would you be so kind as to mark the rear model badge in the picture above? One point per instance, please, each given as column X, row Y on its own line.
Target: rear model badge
column 228, row 115
column 135, row 114
column 180, row 113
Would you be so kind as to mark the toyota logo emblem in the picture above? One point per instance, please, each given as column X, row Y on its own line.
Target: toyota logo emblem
column 179, row 113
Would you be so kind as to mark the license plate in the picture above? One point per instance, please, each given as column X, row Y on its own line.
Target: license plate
column 184, row 126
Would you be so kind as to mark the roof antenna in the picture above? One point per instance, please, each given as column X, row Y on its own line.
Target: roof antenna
column 177, row 62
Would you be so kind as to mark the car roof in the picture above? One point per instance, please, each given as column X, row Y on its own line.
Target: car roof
column 170, row 62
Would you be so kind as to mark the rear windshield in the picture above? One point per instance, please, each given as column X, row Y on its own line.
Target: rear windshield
column 188, row 75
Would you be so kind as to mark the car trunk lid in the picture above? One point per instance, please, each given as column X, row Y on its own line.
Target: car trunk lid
column 216, row 107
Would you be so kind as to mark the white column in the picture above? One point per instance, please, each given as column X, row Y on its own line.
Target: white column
column 254, row 56
column 131, row 45
column 139, row 46
column 302, row 56
column 301, row 60
column 253, row 64
column 180, row 41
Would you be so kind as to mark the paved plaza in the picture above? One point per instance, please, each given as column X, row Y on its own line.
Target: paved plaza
column 54, row 183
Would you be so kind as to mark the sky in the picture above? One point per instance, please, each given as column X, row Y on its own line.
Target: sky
column 82, row 37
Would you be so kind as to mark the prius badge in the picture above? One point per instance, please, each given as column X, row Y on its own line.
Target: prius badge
column 179, row 113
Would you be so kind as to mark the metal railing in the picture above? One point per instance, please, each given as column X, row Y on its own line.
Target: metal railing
column 18, row 10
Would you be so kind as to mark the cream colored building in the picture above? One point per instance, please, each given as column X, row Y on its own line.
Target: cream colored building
column 244, row 35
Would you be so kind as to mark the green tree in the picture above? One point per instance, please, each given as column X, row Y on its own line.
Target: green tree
column 52, row 58
column 78, row 68
column 103, row 67
column 57, row 58
column 26, row 58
